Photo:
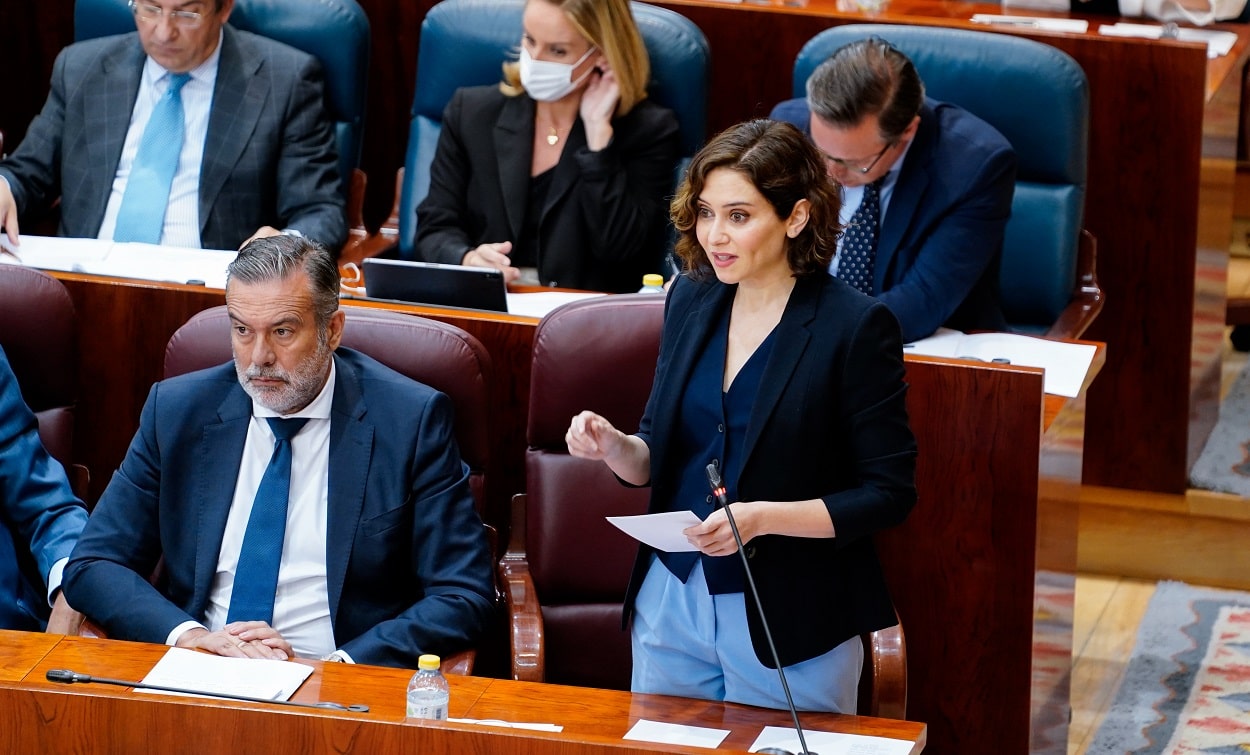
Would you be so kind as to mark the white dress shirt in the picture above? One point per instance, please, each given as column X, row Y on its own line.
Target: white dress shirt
column 182, row 216
column 301, row 611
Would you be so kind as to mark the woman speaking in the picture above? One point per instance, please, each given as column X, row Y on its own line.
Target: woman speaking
column 791, row 383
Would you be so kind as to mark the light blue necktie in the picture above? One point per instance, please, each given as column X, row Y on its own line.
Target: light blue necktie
column 859, row 242
column 256, row 577
column 142, row 214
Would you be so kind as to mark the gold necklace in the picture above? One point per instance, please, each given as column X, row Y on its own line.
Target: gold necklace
column 553, row 137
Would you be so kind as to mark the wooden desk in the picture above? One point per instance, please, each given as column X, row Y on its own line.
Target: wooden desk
column 40, row 716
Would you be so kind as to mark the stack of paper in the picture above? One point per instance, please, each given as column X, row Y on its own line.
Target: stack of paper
column 1070, row 25
column 124, row 260
column 203, row 674
column 1066, row 364
column 1218, row 42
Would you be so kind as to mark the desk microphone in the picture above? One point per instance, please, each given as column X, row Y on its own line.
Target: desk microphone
column 65, row 676
column 722, row 500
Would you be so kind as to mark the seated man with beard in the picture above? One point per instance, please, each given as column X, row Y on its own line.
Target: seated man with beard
column 308, row 501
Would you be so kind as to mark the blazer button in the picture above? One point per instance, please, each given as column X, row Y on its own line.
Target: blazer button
column 750, row 551
column 709, row 499
column 720, row 428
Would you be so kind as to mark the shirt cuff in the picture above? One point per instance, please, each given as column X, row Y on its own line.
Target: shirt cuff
column 339, row 656
column 58, row 569
column 172, row 639
column 293, row 232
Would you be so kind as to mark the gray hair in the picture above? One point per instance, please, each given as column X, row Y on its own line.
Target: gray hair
column 863, row 78
column 275, row 258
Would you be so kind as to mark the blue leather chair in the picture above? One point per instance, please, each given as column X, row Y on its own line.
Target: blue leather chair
column 336, row 32
column 464, row 42
column 1038, row 98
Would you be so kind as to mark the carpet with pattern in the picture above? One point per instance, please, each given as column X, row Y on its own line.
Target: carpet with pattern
column 1187, row 687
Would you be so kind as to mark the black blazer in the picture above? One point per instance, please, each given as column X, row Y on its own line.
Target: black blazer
column 829, row 422
column 604, row 220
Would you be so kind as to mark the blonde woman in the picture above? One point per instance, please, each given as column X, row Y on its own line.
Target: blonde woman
column 562, row 171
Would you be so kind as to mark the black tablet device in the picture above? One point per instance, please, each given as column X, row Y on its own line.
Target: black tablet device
column 431, row 283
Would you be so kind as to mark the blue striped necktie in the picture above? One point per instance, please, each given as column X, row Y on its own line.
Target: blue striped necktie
column 256, row 577
column 859, row 242
column 142, row 214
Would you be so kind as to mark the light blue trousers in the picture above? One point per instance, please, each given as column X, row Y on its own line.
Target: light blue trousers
column 690, row 643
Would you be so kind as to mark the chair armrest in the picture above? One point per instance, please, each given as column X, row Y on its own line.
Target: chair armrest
column 1087, row 297
column 525, row 619
column 79, row 480
column 460, row 663
column 888, row 664
column 391, row 224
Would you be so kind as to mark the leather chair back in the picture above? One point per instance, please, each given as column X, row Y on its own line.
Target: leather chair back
column 336, row 32
column 39, row 338
column 1038, row 98
column 464, row 43
column 441, row 356
column 596, row 354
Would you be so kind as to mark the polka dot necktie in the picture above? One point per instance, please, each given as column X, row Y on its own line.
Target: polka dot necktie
column 859, row 241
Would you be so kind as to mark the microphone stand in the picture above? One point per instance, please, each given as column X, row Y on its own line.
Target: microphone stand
column 718, row 492
column 65, row 676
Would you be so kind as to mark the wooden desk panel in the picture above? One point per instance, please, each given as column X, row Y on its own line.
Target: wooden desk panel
column 45, row 717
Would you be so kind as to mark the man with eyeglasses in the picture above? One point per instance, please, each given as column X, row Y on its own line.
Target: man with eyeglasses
column 926, row 189
column 185, row 133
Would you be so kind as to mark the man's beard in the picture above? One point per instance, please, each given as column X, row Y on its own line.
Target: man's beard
column 299, row 387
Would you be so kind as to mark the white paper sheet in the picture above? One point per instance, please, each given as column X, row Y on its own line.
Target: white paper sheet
column 1069, row 25
column 1066, row 364
column 660, row 531
column 676, row 734
column 1218, row 43
column 541, row 303
column 202, row 674
column 124, row 260
column 828, row 743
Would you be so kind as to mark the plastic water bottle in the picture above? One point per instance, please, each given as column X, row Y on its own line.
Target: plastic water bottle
column 652, row 284
column 428, row 693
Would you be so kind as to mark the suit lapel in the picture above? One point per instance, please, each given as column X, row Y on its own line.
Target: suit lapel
column 515, row 127
column 790, row 341
column 238, row 100
column 111, row 93
column 351, row 445
column 220, row 450
column 905, row 201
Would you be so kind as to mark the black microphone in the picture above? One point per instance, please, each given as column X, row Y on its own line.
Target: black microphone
column 65, row 676
column 722, row 500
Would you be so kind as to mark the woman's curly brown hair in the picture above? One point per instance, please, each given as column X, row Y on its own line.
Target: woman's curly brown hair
column 784, row 167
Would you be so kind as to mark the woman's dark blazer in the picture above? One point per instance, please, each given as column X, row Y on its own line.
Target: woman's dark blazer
column 829, row 422
column 604, row 222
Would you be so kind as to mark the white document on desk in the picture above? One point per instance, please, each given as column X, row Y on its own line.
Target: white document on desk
column 660, row 531
column 676, row 734
column 540, row 303
column 124, row 260
column 828, row 743
column 203, row 674
column 1066, row 364
column 1218, row 43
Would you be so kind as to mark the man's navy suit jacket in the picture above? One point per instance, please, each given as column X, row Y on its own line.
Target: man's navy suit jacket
column 941, row 242
column 39, row 516
column 269, row 155
column 408, row 569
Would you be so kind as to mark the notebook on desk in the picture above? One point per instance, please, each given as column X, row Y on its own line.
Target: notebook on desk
column 432, row 283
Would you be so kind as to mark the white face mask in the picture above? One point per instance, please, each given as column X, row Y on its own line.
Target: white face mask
column 546, row 81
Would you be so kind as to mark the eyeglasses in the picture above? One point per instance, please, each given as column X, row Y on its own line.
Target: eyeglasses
column 851, row 164
column 188, row 19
